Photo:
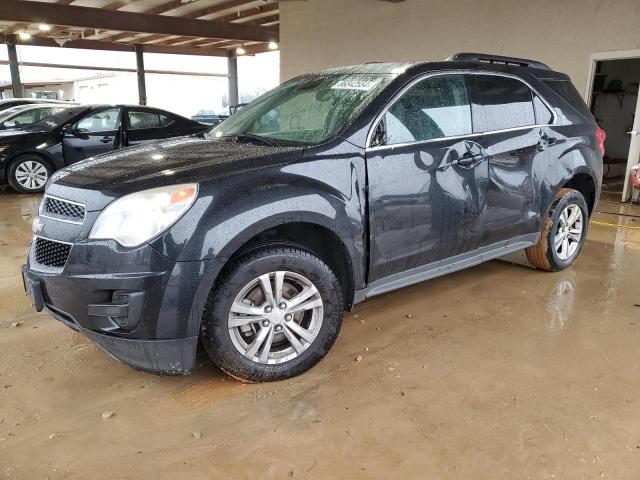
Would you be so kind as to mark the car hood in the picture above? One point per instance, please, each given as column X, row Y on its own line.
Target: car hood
column 13, row 134
column 167, row 162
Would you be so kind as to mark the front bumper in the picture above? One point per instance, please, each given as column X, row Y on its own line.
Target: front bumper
column 136, row 304
column 174, row 357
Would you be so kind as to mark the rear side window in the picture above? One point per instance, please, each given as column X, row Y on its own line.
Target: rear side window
column 436, row 107
column 568, row 92
column 504, row 103
column 143, row 119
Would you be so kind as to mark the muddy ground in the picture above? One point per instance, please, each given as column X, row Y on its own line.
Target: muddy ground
column 496, row 372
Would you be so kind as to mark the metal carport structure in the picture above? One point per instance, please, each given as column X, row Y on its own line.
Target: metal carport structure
column 220, row 28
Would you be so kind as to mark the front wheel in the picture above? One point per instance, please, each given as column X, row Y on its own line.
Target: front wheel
column 273, row 315
column 29, row 174
column 563, row 234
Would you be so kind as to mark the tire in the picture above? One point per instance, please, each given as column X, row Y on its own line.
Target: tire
column 232, row 347
column 546, row 255
column 18, row 173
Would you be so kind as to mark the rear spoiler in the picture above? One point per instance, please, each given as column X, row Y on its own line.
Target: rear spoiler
column 487, row 58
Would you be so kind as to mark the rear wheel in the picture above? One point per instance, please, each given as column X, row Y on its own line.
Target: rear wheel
column 29, row 174
column 274, row 314
column 564, row 231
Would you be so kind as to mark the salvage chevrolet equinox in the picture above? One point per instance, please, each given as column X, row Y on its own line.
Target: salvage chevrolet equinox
column 330, row 189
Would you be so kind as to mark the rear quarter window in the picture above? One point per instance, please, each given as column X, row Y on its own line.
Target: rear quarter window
column 569, row 94
column 543, row 114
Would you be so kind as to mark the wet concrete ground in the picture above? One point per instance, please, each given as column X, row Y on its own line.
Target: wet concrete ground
column 499, row 371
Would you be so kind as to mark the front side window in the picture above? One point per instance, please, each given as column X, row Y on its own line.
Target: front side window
column 102, row 121
column 436, row 107
column 307, row 110
column 504, row 103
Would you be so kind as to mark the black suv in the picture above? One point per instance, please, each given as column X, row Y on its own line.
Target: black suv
column 332, row 188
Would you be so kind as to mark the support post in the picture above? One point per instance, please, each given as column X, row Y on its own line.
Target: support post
column 142, row 85
column 16, row 84
column 233, row 80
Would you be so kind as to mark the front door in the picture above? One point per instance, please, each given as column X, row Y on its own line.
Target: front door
column 427, row 181
column 97, row 132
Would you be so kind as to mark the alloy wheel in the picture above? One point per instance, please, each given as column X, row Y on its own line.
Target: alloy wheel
column 31, row 174
column 568, row 232
column 275, row 317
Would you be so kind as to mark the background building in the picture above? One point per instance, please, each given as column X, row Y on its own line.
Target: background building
column 578, row 37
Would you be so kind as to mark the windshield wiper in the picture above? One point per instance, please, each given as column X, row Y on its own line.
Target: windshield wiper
column 250, row 136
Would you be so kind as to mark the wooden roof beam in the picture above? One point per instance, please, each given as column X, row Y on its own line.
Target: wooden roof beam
column 172, row 5
column 69, row 15
column 118, row 47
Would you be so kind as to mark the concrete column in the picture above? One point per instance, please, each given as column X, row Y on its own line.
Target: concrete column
column 233, row 80
column 18, row 92
column 142, row 85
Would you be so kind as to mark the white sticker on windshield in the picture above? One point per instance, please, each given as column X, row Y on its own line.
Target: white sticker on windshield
column 355, row 84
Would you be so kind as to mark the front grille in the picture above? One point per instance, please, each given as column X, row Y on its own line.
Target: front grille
column 64, row 210
column 50, row 253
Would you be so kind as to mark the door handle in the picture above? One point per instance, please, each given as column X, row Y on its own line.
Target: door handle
column 469, row 159
column 106, row 139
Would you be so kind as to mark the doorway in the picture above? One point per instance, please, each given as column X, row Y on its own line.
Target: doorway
column 614, row 102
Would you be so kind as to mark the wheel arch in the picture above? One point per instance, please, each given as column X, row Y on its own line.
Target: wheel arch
column 583, row 183
column 314, row 236
column 37, row 153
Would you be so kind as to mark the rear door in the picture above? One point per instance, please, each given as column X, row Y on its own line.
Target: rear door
column 145, row 125
column 516, row 136
column 95, row 133
column 427, row 178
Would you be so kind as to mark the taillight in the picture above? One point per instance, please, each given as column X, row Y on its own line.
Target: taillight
column 601, row 135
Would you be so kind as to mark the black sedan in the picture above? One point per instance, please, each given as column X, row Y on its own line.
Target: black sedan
column 29, row 156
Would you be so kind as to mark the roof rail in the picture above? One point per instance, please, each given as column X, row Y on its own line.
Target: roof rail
column 487, row 58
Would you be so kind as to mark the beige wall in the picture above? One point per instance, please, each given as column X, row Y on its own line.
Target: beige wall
column 317, row 34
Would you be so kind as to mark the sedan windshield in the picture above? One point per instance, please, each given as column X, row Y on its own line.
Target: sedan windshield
column 307, row 110
column 10, row 111
column 56, row 120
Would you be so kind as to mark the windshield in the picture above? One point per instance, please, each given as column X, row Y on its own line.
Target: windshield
column 307, row 110
column 56, row 120
column 10, row 111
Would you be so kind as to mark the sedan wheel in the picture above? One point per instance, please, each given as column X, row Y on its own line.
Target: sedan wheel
column 29, row 174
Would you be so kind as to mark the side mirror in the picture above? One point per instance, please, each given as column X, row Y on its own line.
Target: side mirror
column 7, row 124
column 68, row 129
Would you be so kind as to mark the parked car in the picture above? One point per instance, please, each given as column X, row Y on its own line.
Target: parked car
column 23, row 116
column 209, row 117
column 330, row 189
column 30, row 155
column 14, row 102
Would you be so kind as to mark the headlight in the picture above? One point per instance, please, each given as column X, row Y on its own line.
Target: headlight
column 138, row 217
